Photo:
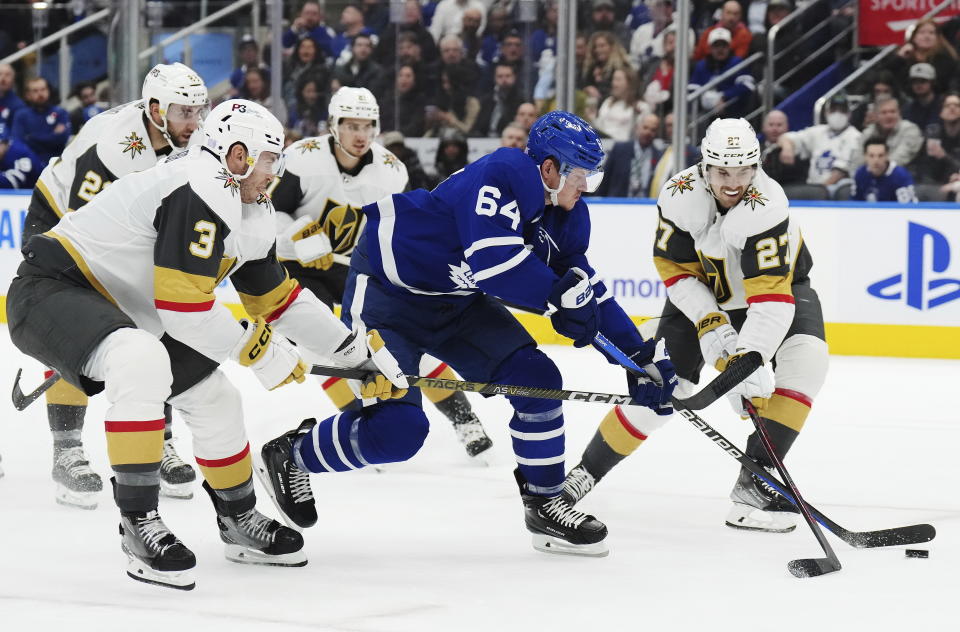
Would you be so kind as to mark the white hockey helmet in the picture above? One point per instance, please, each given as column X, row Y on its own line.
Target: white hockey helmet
column 730, row 142
column 348, row 102
column 173, row 83
column 247, row 123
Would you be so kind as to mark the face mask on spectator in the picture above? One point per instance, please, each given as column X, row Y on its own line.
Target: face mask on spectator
column 837, row 121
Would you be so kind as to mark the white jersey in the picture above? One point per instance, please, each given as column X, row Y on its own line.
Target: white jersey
column 313, row 185
column 111, row 145
column 156, row 243
column 828, row 150
column 744, row 257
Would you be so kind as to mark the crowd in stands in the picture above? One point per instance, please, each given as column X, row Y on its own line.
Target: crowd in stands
column 456, row 70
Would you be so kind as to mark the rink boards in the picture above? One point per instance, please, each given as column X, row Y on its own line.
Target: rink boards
column 888, row 276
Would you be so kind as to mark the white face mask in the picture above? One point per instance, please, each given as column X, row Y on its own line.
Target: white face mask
column 837, row 121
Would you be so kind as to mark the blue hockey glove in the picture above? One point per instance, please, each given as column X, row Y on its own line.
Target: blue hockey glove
column 576, row 315
column 653, row 387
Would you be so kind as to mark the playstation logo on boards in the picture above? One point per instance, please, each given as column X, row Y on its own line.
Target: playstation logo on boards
column 928, row 252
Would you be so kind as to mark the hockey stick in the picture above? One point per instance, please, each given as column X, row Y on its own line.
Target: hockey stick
column 21, row 400
column 912, row 534
column 806, row 567
column 703, row 398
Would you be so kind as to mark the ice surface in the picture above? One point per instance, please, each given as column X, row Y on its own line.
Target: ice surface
column 438, row 543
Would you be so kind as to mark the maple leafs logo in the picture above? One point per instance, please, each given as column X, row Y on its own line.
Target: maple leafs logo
column 309, row 145
column 681, row 183
column 753, row 197
column 133, row 144
column 462, row 276
column 229, row 181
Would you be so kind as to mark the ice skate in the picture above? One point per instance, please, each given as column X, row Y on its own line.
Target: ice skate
column 287, row 485
column 759, row 507
column 176, row 476
column 559, row 528
column 471, row 434
column 77, row 484
column 155, row 555
column 252, row 538
column 578, row 484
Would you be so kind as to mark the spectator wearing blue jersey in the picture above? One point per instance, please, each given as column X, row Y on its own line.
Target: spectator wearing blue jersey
column 249, row 53
column 880, row 179
column 19, row 166
column 351, row 25
column 41, row 125
column 9, row 101
column 429, row 273
column 731, row 96
column 309, row 23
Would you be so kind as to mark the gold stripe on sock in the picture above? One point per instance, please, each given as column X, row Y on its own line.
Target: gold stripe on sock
column 619, row 434
column 437, row 395
column 339, row 392
column 63, row 393
column 785, row 410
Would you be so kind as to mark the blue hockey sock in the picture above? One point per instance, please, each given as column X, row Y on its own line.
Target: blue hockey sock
column 538, row 443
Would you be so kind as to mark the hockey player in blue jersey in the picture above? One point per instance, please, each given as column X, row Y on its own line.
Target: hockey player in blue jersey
column 428, row 272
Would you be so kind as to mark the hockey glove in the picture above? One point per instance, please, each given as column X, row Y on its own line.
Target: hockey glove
column 305, row 242
column 653, row 387
column 757, row 385
column 576, row 314
column 717, row 338
column 386, row 380
column 273, row 359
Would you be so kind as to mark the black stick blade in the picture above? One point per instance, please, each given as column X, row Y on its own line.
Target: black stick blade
column 812, row 567
column 723, row 383
column 913, row 534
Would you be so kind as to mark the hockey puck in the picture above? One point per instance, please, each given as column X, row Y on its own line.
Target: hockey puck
column 917, row 553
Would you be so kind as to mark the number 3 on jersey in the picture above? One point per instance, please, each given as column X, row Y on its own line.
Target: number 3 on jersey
column 203, row 247
column 487, row 205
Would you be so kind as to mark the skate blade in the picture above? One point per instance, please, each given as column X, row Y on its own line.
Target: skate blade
column 549, row 544
column 182, row 491
column 261, row 470
column 178, row 580
column 71, row 498
column 245, row 555
column 750, row 518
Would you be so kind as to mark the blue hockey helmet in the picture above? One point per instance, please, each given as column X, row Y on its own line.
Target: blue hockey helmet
column 571, row 141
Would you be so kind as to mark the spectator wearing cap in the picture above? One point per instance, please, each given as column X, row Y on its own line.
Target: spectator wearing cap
column 310, row 23
column 646, row 43
column 834, row 151
column 603, row 17
column 249, row 52
column 904, row 138
column 775, row 125
column 448, row 17
column 9, row 101
column 880, row 179
column 19, row 165
column 731, row 97
column 924, row 106
column 739, row 36
column 630, row 167
column 44, row 127
column 939, row 158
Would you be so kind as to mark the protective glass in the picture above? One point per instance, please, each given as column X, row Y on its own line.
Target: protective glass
column 730, row 177
column 183, row 114
column 271, row 163
column 580, row 178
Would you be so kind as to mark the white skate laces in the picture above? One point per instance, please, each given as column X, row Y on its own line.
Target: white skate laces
column 578, row 483
column 256, row 525
column 171, row 460
column 300, row 485
column 152, row 530
column 74, row 462
column 558, row 509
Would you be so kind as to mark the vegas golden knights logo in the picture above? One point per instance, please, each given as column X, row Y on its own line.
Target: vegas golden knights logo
column 716, row 271
column 341, row 223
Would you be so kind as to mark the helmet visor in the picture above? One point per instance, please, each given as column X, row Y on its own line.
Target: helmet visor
column 269, row 162
column 180, row 114
column 580, row 178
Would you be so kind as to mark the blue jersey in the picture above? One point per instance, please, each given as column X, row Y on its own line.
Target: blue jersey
column 484, row 229
column 19, row 167
column 9, row 104
column 38, row 129
column 894, row 185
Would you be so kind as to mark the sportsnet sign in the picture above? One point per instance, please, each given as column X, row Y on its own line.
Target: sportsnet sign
column 884, row 22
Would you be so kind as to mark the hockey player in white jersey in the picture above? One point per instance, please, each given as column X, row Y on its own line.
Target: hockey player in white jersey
column 736, row 271
column 121, row 297
column 126, row 139
column 319, row 200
